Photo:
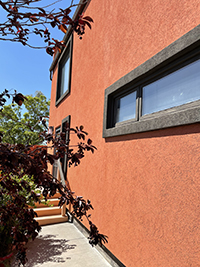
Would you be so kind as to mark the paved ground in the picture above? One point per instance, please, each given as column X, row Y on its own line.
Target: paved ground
column 63, row 245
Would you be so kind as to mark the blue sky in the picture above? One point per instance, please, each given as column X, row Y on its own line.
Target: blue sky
column 26, row 69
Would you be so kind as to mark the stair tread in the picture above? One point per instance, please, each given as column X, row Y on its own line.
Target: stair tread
column 49, row 200
column 51, row 217
column 45, row 220
column 52, row 201
column 46, row 208
column 57, row 195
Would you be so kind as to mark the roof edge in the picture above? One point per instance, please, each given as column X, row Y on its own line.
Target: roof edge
column 81, row 6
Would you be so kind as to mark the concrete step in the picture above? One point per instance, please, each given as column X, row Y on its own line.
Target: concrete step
column 57, row 195
column 47, row 211
column 51, row 219
column 51, row 201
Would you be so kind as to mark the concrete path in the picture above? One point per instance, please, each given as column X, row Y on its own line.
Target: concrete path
column 63, row 245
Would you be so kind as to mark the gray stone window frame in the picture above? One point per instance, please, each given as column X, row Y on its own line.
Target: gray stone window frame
column 66, row 51
column 177, row 53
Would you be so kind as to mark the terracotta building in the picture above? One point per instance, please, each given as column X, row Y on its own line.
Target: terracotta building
column 133, row 81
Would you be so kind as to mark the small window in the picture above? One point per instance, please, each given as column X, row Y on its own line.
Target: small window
column 55, row 165
column 162, row 92
column 65, row 129
column 125, row 107
column 64, row 73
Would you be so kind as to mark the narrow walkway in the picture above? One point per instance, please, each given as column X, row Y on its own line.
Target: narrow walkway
column 63, row 245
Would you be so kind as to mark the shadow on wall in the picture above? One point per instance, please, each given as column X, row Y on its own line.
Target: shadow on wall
column 178, row 130
column 46, row 248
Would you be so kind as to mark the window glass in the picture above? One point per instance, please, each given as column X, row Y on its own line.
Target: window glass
column 65, row 75
column 126, row 107
column 177, row 88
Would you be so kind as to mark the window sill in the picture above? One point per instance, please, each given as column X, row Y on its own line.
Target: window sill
column 62, row 97
column 181, row 115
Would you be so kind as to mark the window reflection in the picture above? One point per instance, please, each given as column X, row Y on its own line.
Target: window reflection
column 65, row 75
column 126, row 107
column 177, row 88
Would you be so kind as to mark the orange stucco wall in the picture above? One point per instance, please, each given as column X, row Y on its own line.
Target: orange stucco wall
column 145, row 187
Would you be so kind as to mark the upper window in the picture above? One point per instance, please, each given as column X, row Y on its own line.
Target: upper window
column 163, row 92
column 64, row 73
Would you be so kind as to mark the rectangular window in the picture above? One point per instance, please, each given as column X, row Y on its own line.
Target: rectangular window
column 64, row 73
column 162, row 92
column 174, row 89
column 65, row 129
column 55, row 165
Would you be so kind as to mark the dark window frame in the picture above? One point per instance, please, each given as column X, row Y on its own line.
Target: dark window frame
column 120, row 95
column 182, row 51
column 55, row 165
column 58, row 130
column 66, row 52
column 64, row 160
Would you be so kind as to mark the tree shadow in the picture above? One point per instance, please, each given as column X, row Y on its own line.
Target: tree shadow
column 46, row 248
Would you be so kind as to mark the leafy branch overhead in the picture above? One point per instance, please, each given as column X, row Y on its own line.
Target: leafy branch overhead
column 24, row 19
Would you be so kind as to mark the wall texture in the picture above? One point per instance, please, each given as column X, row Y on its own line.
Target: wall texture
column 144, row 187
